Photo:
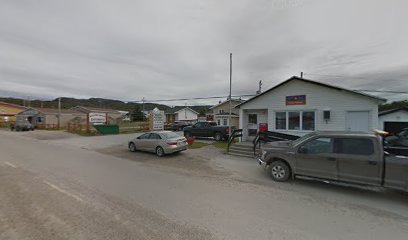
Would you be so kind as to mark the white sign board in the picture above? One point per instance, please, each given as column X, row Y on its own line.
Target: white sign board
column 158, row 119
column 97, row 118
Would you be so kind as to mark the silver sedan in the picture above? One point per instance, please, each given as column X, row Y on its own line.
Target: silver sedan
column 160, row 142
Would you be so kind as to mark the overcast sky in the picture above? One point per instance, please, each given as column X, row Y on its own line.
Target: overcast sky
column 165, row 49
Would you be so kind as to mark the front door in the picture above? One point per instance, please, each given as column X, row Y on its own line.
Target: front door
column 358, row 121
column 358, row 160
column 252, row 125
column 316, row 158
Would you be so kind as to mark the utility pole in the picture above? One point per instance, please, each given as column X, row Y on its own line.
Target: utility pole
column 143, row 106
column 59, row 112
column 230, row 93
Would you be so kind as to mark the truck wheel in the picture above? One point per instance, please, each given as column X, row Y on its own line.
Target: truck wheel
column 159, row 152
column 132, row 147
column 218, row 136
column 280, row 171
column 187, row 135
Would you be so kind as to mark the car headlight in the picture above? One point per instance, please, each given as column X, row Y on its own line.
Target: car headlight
column 263, row 154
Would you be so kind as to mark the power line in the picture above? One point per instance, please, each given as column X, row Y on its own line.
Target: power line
column 195, row 98
column 361, row 90
column 381, row 91
column 334, row 76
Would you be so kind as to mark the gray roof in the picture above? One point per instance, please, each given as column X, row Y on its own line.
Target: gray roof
column 392, row 111
column 317, row 83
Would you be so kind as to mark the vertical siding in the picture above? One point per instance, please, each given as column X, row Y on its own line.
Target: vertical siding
column 318, row 99
column 181, row 115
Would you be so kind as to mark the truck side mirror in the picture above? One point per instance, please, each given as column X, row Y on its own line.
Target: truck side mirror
column 302, row 149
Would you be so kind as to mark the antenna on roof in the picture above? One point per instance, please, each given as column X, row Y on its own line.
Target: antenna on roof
column 301, row 74
column 260, row 88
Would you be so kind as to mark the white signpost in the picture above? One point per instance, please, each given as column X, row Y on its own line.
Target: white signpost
column 97, row 118
column 157, row 120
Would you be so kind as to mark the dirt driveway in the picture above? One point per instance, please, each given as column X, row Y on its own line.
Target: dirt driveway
column 194, row 162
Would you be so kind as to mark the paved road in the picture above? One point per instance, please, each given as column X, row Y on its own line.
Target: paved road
column 51, row 190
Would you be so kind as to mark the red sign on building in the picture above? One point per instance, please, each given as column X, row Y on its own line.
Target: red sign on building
column 296, row 100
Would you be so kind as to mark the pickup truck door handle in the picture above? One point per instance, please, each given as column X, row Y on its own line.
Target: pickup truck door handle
column 331, row 159
column 371, row 162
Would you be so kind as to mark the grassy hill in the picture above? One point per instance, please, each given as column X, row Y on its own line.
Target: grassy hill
column 67, row 103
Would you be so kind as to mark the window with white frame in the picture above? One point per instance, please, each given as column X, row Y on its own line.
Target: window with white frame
column 295, row 120
column 219, row 122
column 225, row 122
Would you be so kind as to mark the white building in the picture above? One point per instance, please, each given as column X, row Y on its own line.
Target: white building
column 393, row 120
column 298, row 106
column 220, row 112
column 186, row 114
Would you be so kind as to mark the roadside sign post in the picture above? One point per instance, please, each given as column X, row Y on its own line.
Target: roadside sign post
column 95, row 118
column 157, row 120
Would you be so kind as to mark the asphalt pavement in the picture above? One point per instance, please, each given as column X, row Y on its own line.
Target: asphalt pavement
column 70, row 187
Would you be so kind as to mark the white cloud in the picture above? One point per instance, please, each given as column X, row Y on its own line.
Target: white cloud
column 170, row 49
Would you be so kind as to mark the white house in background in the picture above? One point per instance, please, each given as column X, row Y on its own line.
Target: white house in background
column 299, row 106
column 220, row 112
column 393, row 120
column 186, row 114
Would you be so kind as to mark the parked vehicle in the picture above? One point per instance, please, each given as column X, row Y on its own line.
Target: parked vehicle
column 22, row 126
column 160, row 142
column 337, row 156
column 207, row 129
column 179, row 126
column 399, row 139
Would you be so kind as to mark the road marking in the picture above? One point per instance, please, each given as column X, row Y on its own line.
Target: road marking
column 63, row 191
column 10, row 164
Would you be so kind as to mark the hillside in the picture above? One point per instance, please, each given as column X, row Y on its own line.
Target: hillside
column 67, row 103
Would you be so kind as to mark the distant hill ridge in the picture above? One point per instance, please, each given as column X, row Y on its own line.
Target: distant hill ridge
column 67, row 103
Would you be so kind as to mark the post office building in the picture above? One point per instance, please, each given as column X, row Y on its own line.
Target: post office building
column 299, row 106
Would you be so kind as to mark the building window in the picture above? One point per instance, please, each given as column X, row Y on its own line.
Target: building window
column 280, row 120
column 225, row 122
column 308, row 121
column 252, row 118
column 219, row 122
column 295, row 120
column 221, row 111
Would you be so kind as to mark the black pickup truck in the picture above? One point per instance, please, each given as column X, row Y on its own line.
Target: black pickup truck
column 207, row 129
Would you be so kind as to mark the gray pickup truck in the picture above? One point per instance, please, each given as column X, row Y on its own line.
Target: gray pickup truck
column 357, row 158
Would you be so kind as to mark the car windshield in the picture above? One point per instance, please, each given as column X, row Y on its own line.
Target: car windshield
column 301, row 139
column 170, row 135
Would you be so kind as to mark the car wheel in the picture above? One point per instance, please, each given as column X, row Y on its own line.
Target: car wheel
column 132, row 147
column 187, row 134
column 280, row 171
column 218, row 136
column 159, row 152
